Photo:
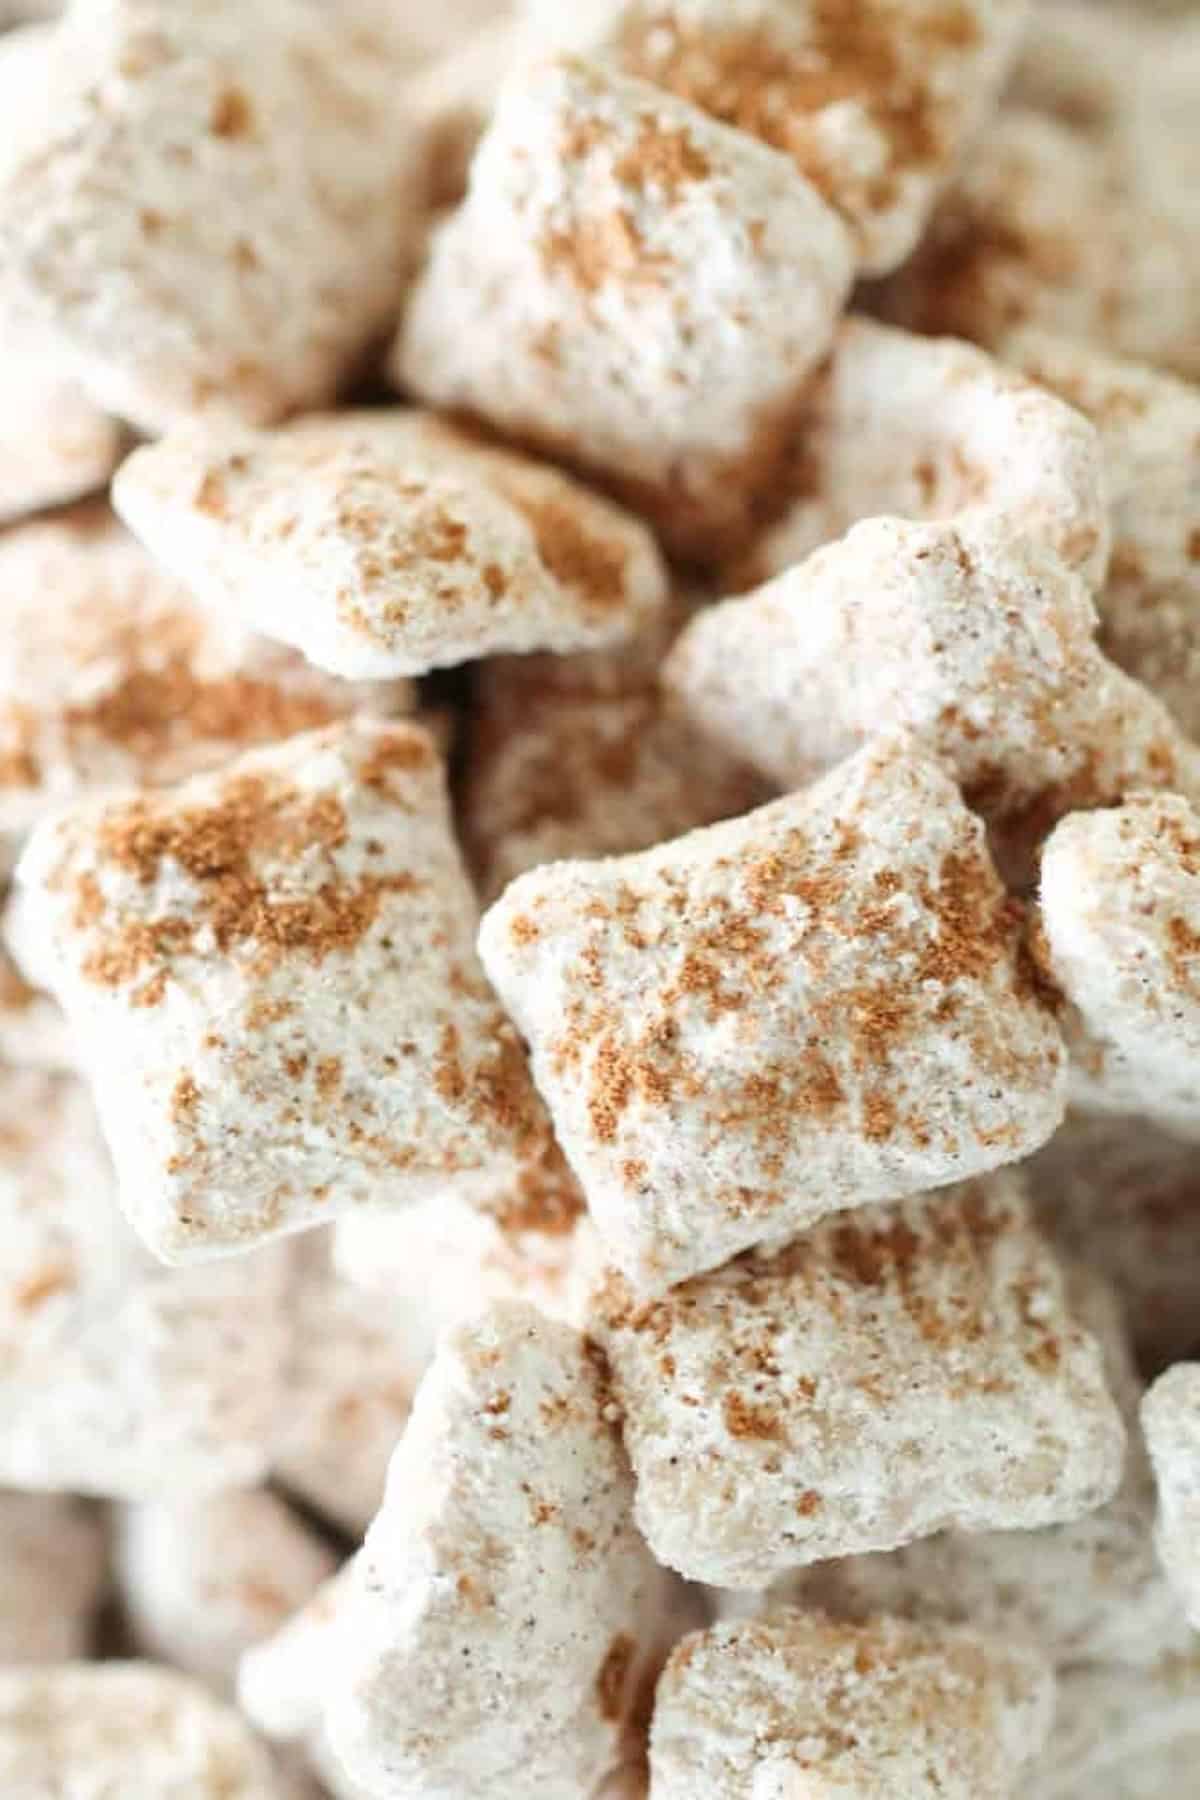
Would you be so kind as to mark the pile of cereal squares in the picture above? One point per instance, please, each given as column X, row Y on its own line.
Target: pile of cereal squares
column 600, row 857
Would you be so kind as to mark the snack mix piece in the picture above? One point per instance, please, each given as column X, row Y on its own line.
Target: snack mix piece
column 272, row 977
column 1171, row 1416
column 388, row 543
column 797, row 1704
column 816, row 1006
column 493, row 1632
column 560, row 302
column 889, row 1374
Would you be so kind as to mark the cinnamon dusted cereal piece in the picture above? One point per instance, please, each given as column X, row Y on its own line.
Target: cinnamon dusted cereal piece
column 33, row 1031
column 190, row 168
column 872, row 102
column 978, row 641
column 271, row 973
column 1120, row 935
column 95, row 1730
column 1124, row 1196
column 203, row 1580
column 389, row 543
column 1149, row 429
column 888, row 1375
column 52, row 1573
column 110, row 673
column 118, row 1378
column 633, row 286
column 798, row 1704
column 502, row 1602
column 1171, row 1416
column 1088, row 1590
column 1121, row 1734
column 354, row 1364
column 813, row 1007
column 931, row 428
column 1048, row 227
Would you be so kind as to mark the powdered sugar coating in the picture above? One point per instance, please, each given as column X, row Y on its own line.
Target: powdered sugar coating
column 271, row 973
column 1122, row 1735
column 216, row 211
column 52, row 1572
column 561, row 302
column 796, row 1704
column 110, row 673
column 118, row 1377
column 889, row 1374
column 1149, row 429
column 498, row 1610
column 810, row 1008
column 977, row 640
column 34, row 1033
column 1120, row 934
column 931, row 428
column 1171, row 1417
column 388, row 543
column 102, row 1730
column 872, row 102
column 202, row 1580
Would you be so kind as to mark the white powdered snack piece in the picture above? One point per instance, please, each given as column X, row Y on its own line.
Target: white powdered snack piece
column 34, row 1033
column 354, row 1364
column 217, row 207
column 1171, row 1417
column 99, row 1731
column 978, row 641
column 1122, row 1734
column 201, row 1581
column 1149, row 429
column 813, row 1007
column 930, row 428
column 272, row 976
column 388, row 543
column 798, row 1705
column 118, row 1377
column 1121, row 1195
column 1050, row 227
column 110, row 673
column 872, row 102
column 1089, row 1590
column 503, row 1600
column 1120, row 935
column 52, row 1572
column 889, row 1374
column 632, row 286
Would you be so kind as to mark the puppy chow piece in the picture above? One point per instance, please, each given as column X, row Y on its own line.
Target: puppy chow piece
column 931, row 428
column 33, row 1030
column 272, row 976
column 1149, row 429
column 93, row 1731
column 634, row 287
column 217, row 207
column 1171, row 1416
column 872, row 102
column 797, row 1705
column 813, row 1007
column 52, row 1574
column 502, row 1602
column 1122, row 1734
column 1120, row 934
column 201, row 1581
column 977, row 641
column 117, row 1377
column 389, row 543
column 889, row 1374
column 111, row 674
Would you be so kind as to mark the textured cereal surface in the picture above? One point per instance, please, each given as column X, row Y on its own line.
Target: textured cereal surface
column 272, row 974
column 1171, row 1416
column 891, row 1373
column 812, row 1007
column 388, row 543
column 797, row 1704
